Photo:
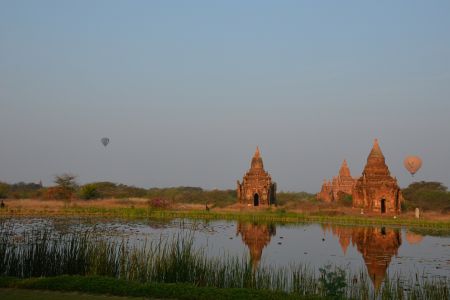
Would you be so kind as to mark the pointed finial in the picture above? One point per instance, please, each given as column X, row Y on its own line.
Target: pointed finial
column 376, row 150
column 257, row 152
column 375, row 144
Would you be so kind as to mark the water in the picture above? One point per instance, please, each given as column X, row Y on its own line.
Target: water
column 379, row 251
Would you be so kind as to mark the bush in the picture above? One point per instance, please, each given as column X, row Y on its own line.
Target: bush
column 216, row 198
column 119, row 191
column 89, row 191
column 22, row 190
column 4, row 188
column 284, row 198
column 345, row 199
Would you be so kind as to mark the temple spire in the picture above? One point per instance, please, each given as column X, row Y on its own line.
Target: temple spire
column 376, row 151
column 257, row 154
column 344, row 171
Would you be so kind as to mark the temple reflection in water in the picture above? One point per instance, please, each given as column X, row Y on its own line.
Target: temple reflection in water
column 377, row 246
column 256, row 237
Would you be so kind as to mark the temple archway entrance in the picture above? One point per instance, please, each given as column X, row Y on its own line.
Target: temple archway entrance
column 256, row 199
column 383, row 206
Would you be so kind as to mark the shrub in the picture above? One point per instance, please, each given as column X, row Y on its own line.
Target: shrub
column 4, row 188
column 286, row 198
column 345, row 199
column 89, row 191
column 119, row 191
column 22, row 190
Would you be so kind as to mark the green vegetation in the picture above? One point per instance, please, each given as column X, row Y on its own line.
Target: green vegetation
column 118, row 287
column 345, row 200
column 89, row 192
column 427, row 196
column 118, row 191
column 4, row 188
column 333, row 282
column 173, row 267
column 66, row 181
column 22, row 294
column 286, row 198
column 66, row 188
column 20, row 190
column 273, row 215
column 214, row 198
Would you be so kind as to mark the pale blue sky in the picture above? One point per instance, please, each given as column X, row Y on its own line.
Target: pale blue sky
column 187, row 89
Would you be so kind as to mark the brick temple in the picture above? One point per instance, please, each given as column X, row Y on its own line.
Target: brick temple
column 257, row 187
column 376, row 190
column 341, row 185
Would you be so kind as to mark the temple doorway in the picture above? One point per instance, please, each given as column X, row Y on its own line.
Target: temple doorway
column 383, row 206
column 256, row 200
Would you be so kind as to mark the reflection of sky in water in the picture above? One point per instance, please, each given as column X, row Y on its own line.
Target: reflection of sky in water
column 312, row 244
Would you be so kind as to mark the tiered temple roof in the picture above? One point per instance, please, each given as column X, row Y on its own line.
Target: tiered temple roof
column 257, row 187
column 340, row 186
column 376, row 190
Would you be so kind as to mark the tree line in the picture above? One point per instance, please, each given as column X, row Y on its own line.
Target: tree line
column 428, row 196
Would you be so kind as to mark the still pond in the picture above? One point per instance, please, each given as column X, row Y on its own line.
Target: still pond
column 379, row 251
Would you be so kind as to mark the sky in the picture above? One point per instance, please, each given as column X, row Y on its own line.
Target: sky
column 186, row 90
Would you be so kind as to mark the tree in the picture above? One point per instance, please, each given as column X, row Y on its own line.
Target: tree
column 427, row 196
column 66, row 185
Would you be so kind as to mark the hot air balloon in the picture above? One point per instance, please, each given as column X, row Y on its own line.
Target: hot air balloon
column 105, row 141
column 412, row 164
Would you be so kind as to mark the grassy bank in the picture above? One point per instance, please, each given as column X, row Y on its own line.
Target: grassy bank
column 26, row 294
column 110, row 286
column 267, row 215
column 174, row 264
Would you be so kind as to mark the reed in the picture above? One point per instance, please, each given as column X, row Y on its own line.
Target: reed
column 176, row 260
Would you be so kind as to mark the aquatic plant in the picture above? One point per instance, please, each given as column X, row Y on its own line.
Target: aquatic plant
column 333, row 281
column 176, row 260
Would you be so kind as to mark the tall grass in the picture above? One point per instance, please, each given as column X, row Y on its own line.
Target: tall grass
column 175, row 260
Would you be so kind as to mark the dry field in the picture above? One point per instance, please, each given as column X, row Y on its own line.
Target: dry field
column 56, row 206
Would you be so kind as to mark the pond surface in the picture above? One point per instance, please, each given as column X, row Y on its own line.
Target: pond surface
column 379, row 251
